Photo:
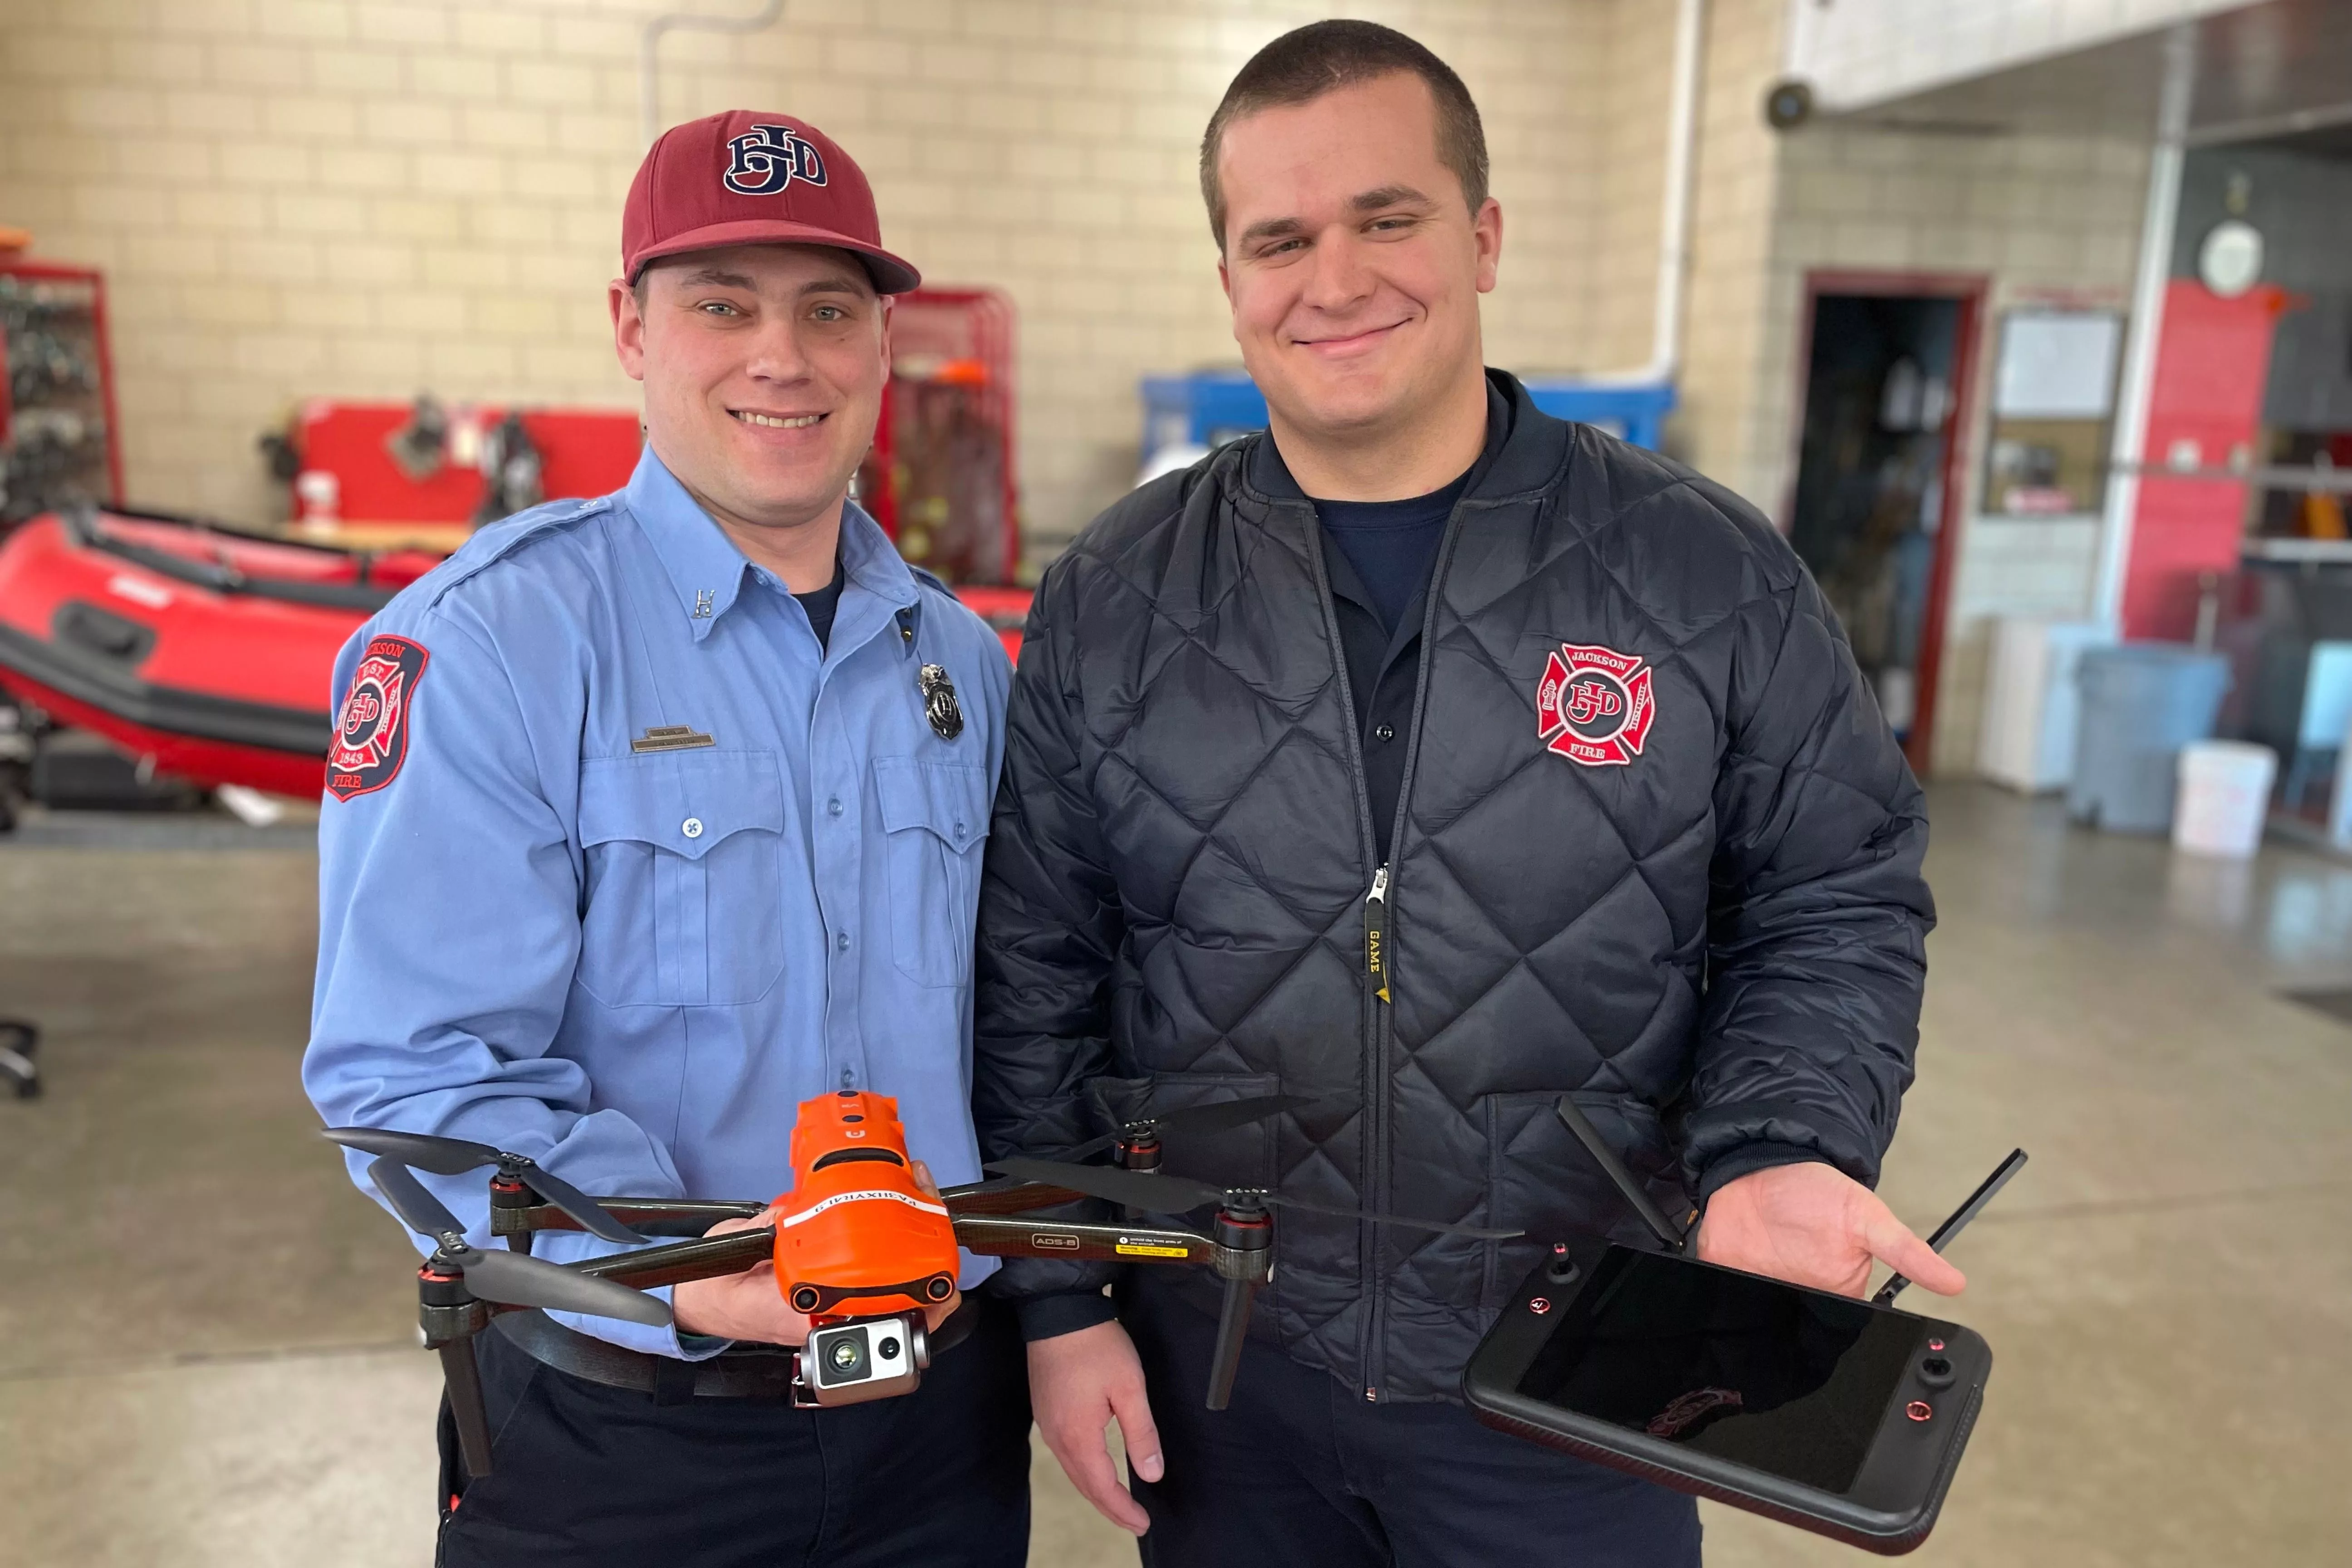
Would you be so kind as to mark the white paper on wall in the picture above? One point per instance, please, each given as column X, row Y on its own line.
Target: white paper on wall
column 2057, row 364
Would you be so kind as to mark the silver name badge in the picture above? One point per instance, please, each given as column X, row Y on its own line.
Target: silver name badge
column 939, row 704
column 670, row 737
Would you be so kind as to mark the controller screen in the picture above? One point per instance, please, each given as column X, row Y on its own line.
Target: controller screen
column 1768, row 1376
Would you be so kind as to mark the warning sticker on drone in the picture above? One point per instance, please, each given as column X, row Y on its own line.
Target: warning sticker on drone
column 1594, row 705
column 370, row 738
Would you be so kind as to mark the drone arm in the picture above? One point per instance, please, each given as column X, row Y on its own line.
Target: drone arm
column 705, row 1257
column 1002, row 1197
column 997, row 1236
column 647, row 1216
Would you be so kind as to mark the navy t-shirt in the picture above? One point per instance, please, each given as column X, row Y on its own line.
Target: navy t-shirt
column 1391, row 543
column 821, row 606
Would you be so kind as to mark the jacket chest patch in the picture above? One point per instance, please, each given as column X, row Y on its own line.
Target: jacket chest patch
column 1594, row 705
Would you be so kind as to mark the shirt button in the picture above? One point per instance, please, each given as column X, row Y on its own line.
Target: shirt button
column 833, row 806
column 1385, row 733
column 691, row 827
column 842, row 942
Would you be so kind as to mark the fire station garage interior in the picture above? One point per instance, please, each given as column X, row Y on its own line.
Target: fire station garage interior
column 2027, row 324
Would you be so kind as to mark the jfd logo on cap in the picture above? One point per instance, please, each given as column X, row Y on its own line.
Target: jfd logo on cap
column 1594, row 705
column 767, row 158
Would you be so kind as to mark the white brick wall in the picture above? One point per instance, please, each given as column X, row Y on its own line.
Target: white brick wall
column 295, row 197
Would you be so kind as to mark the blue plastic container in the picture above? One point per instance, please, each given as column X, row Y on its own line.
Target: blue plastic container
column 1213, row 407
column 2142, row 703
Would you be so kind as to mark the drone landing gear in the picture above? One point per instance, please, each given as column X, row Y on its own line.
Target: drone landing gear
column 448, row 1317
column 1247, row 1231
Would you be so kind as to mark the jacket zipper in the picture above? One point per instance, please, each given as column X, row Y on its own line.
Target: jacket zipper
column 1380, row 908
column 1384, row 1014
column 1372, row 1017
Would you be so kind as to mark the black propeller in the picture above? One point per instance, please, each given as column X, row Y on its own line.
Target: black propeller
column 1155, row 1191
column 511, row 1278
column 456, row 1156
column 1222, row 1116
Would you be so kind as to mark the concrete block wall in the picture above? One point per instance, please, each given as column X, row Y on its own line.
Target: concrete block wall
column 298, row 197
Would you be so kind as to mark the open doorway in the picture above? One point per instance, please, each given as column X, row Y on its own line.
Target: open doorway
column 1887, row 363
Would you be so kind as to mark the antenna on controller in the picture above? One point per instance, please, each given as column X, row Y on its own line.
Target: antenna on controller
column 1960, row 1216
column 1671, row 1236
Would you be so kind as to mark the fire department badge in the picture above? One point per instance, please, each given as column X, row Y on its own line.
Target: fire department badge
column 1594, row 705
column 370, row 738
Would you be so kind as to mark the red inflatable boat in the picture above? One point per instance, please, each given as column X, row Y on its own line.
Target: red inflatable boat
column 205, row 650
column 208, row 650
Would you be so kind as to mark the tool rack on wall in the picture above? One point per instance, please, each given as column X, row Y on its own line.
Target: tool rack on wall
column 57, row 430
column 940, row 478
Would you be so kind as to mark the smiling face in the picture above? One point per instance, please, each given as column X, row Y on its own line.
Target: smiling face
column 1353, row 262
column 763, row 367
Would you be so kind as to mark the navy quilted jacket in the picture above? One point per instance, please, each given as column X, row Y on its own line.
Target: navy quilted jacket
column 1655, row 847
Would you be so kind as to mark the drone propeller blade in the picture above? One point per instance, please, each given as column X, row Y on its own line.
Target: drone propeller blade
column 515, row 1280
column 456, row 1156
column 418, row 1150
column 1154, row 1191
column 579, row 1206
column 1220, row 1116
column 1441, row 1226
column 419, row 1210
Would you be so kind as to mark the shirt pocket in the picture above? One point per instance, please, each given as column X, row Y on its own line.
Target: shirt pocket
column 685, row 897
column 935, row 818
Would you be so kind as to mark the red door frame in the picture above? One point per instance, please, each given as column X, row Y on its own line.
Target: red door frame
column 1970, row 289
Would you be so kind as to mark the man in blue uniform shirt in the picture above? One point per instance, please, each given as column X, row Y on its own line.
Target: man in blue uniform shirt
column 651, row 817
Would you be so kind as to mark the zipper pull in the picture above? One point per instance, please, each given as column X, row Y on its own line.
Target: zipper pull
column 1376, row 933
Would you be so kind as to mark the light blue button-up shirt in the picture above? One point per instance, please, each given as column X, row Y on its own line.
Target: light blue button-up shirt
column 633, row 964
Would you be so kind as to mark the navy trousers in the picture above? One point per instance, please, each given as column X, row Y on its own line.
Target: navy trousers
column 1300, row 1470
column 587, row 1476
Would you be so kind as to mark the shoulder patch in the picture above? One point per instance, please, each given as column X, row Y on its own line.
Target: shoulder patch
column 371, row 739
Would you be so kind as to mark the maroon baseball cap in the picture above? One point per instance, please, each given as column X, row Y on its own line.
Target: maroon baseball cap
column 746, row 178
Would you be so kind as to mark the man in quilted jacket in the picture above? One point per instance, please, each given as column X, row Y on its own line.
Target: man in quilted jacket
column 1570, row 728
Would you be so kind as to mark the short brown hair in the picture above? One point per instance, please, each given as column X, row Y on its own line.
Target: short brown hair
column 1307, row 62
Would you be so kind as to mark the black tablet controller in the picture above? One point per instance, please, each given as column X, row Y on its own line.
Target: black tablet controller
column 1840, row 1416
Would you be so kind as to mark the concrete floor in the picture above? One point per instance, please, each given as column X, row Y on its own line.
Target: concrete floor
column 204, row 1336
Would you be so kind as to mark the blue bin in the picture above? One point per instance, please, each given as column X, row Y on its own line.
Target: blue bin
column 2142, row 703
column 1213, row 407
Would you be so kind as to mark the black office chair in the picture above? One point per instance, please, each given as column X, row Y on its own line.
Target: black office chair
column 19, row 1041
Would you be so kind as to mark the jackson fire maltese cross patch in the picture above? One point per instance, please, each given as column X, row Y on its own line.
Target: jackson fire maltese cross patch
column 1594, row 705
column 370, row 738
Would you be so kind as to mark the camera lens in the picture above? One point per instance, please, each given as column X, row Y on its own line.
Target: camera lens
column 843, row 1359
column 887, row 1350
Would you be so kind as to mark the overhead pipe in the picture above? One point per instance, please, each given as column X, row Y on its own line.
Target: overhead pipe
column 1673, row 219
column 649, row 53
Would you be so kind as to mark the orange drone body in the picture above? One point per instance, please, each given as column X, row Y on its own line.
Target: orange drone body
column 855, row 1236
